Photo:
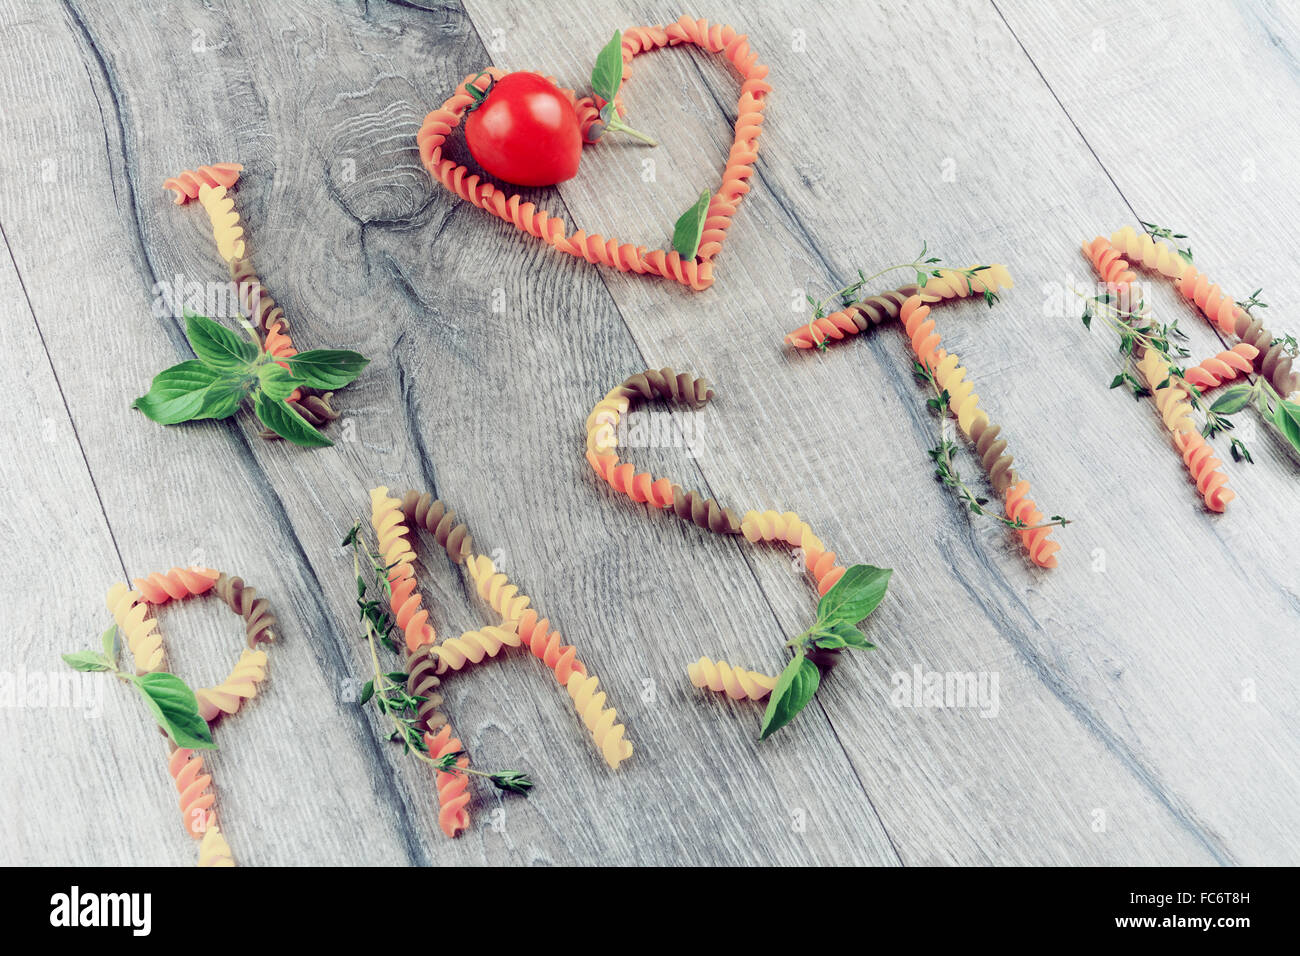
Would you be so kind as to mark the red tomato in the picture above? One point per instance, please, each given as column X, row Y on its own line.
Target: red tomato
column 525, row 132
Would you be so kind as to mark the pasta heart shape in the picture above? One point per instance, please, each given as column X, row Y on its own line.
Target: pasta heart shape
column 696, row 273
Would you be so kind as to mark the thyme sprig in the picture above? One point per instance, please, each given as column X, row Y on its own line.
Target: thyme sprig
column 1138, row 332
column 1160, row 232
column 925, row 266
column 388, row 688
column 946, row 472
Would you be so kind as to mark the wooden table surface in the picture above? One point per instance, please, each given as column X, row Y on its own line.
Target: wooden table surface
column 1146, row 710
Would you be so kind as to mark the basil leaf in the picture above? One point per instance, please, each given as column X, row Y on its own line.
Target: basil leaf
column 176, row 709
column 690, row 227
column 367, row 691
column 87, row 661
column 222, row 398
column 176, row 394
column 108, row 640
column 1286, row 416
column 327, row 368
column 842, row 634
column 793, row 690
column 287, row 423
column 607, row 74
column 1232, row 401
column 217, row 347
column 855, row 595
column 276, row 382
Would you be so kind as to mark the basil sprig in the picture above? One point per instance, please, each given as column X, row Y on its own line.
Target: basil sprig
column 606, row 80
column 168, row 698
column 689, row 229
column 231, row 369
column 841, row 609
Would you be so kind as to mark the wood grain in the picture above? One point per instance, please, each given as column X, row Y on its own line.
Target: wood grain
column 1144, row 710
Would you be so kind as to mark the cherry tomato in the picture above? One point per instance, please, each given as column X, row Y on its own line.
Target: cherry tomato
column 525, row 132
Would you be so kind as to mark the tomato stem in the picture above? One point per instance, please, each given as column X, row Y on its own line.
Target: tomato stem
column 619, row 126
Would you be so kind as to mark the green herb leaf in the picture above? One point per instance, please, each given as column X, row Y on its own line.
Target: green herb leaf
column 222, row 398
column 287, row 423
column 512, row 781
column 855, row 595
column 690, row 227
column 217, row 347
column 796, row 686
column 1286, row 416
column 178, row 393
column 367, row 692
column 607, row 74
column 108, row 641
column 176, row 709
column 87, row 661
column 326, row 368
column 843, row 634
column 276, row 382
column 1232, row 401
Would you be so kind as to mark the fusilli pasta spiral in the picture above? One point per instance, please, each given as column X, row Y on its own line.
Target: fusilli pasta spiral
column 973, row 421
column 644, row 488
column 453, row 788
column 548, row 646
column 1223, row 367
column 239, row 686
column 187, row 182
column 422, row 681
column 788, row 528
column 1171, row 401
column 214, row 850
column 140, row 633
column 736, row 683
column 259, row 621
column 696, row 273
column 194, row 788
column 429, row 513
column 176, row 583
column 600, row 720
column 1153, row 256
column 387, row 518
column 255, row 299
column 226, row 229
column 871, row 311
column 496, row 590
column 473, row 646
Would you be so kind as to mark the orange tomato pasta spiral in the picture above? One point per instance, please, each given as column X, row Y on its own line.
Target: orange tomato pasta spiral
column 214, row 850
column 1201, row 464
column 239, row 686
column 736, row 683
column 387, row 518
column 140, row 633
column 789, row 528
column 1020, row 507
column 1109, row 264
column 187, row 182
column 175, row 584
column 226, row 230
column 194, row 787
column 453, row 788
column 599, row 719
column 1223, row 367
column 548, row 646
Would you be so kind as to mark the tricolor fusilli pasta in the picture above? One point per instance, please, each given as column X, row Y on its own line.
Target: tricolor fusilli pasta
column 694, row 273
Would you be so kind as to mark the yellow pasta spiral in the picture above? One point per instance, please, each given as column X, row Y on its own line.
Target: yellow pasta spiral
column 390, row 528
column 495, row 588
column 738, row 684
column 1170, row 400
column 1155, row 256
column 600, row 720
column 790, row 529
column 225, row 698
column 226, row 229
column 962, row 400
column 473, row 646
column 953, row 283
column 141, row 633
column 602, row 423
column 214, row 850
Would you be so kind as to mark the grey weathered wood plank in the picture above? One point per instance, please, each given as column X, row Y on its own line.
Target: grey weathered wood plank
column 1110, row 701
